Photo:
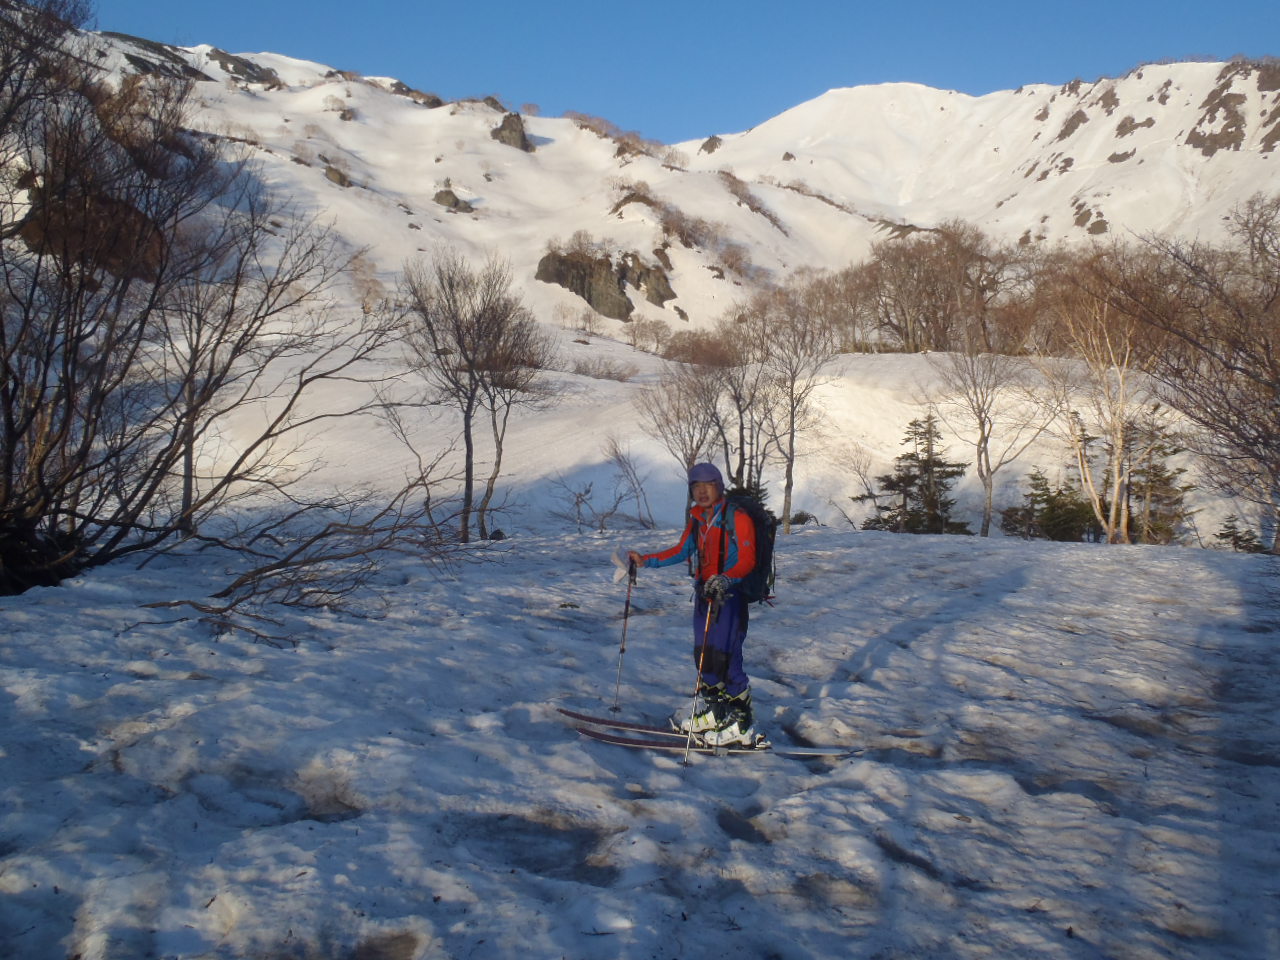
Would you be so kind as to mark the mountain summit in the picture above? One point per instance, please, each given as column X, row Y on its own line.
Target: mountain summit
column 680, row 232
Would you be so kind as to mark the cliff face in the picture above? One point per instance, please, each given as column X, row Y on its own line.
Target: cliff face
column 602, row 284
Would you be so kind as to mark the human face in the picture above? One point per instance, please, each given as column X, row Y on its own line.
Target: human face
column 705, row 493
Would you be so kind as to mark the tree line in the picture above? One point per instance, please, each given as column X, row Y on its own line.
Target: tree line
column 1127, row 352
column 173, row 343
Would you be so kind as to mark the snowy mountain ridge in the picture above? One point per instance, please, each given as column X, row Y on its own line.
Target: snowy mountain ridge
column 1041, row 162
column 1168, row 148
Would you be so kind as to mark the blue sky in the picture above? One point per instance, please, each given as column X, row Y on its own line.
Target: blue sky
column 678, row 71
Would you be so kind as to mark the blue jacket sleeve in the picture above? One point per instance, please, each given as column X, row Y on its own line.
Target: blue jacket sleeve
column 680, row 552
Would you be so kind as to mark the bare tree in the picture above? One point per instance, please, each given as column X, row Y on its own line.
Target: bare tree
column 627, row 486
column 322, row 556
column 856, row 460
column 746, row 400
column 988, row 285
column 948, row 288
column 36, row 57
column 796, row 341
column 651, row 335
column 1218, row 308
column 1102, row 387
column 986, row 398
column 680, row 411
column 477, row 346
column 629, row 479
column 903, row 297
column 727, row 387
column 511, row 379
column 839, row 296
column 153, row 301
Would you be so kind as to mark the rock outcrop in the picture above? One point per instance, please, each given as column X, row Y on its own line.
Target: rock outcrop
column 450, row 200
column 602, row 283
column 511, row 132
column 652, row 280
column 594, row 279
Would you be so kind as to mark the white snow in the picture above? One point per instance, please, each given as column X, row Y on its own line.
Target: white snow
column 835, row 172
column 1060, row 751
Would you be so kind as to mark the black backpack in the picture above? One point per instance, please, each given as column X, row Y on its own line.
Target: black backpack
column 757, row 586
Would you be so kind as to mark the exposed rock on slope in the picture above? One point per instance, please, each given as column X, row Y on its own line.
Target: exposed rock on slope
column 592, row 278
column 452, row 202
column 602, row 284
column 511, row 132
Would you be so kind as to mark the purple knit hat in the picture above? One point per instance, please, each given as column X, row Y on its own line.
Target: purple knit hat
column 706, row 473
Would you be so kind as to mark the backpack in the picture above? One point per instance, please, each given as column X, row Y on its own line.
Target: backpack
column 757, row 586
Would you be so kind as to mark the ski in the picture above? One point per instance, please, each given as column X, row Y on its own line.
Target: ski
column 623, row 724
column 675, row 744
column 678, row 742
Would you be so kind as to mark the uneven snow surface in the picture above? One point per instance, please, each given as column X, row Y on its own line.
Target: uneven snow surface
column 1062, row 752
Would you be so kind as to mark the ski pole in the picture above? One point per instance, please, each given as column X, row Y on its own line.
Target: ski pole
column 712, row 607
column 622, row 647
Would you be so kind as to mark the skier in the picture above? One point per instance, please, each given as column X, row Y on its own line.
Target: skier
column 721, row 550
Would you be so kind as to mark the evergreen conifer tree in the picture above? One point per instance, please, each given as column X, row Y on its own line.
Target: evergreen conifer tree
column 1235, row 537
column 918, row 487
column 1157, row 494
column 1051, row 513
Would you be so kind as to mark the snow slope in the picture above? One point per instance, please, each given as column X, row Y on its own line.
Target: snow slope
column 1167, row 148
column 1060, row 752
column 1028, row 162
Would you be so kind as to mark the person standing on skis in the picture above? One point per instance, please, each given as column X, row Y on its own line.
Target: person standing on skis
column 719, row 544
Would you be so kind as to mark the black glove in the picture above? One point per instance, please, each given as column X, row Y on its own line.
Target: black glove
column 716, row 588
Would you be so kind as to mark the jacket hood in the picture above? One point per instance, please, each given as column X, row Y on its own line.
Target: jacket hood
column 706, row 473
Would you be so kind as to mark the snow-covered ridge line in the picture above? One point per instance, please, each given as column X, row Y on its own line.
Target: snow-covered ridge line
column 1168, row 148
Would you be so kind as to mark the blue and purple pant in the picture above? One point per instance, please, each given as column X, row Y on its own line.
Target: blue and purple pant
column 721, row 661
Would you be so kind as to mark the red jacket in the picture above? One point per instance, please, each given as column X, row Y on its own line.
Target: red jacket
column 731, row 552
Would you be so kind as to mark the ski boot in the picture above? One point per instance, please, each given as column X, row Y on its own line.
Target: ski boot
column 737, row 725
column 709, row 714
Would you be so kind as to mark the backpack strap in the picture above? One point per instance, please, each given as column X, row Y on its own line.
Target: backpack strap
column 724, row 528
column 691, row 531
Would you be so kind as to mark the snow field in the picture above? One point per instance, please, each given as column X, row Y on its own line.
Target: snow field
column 1062, row 751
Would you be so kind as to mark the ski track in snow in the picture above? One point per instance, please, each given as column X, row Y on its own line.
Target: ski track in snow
column 1067, row 752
